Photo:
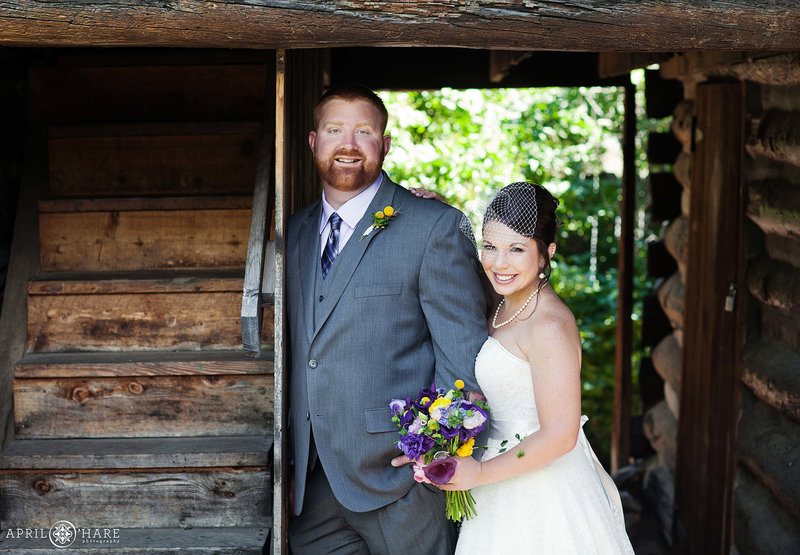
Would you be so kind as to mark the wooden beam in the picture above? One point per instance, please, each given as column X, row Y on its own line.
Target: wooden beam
column 621, row 432
column 713, row 331
column 580, row 25
column 280, row 464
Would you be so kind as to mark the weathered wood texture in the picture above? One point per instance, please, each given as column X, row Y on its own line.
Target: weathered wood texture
column 761, row 66
column 509, row 24
column 621, row 426
column 23, row 263
column 183, row 90
column 178, row 452
column 143, row 240
column 779, row 325
column 178, row 315
column 769, row 446
column 197, row 541
column 777, row 137
column 140, row 363
column 671, row 296
column 168, row 499
column 774, row 205
column 143, row 406
column 762, row 525
column 710, row 382
column 676, row 239
column 667, row 361
column 775, row 283
column 661, row 428
column 177, row 160
column 772, row 372
column 681, row 126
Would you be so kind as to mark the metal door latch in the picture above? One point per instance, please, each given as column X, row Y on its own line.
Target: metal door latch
column 730, row 300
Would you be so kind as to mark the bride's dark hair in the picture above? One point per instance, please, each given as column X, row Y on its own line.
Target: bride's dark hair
column 529, row 210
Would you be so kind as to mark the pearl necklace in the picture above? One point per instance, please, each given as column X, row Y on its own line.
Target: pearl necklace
column 495, row 325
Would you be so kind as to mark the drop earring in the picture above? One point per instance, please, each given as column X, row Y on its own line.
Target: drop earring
column 541, row 275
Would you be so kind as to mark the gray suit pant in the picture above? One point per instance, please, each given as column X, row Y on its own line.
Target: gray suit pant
column 414, row 523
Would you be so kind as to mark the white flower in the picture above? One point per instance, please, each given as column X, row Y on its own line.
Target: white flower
column 474, row 420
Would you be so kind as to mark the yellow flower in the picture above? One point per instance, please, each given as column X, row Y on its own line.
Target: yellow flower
column 424, row 401
column 433, row 424
column 459, row 384
column 388, row 211
column 379, row 215
column 466, row 449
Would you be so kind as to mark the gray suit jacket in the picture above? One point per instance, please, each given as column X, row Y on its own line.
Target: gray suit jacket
column 403, row 306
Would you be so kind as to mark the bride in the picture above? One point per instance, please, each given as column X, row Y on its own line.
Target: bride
column 538, row 487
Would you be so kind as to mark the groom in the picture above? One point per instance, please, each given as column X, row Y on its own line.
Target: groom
column 374, row 313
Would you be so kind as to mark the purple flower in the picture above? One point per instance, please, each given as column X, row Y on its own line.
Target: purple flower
column 448, row 433
column 397, row 406
column 415, row 445
column 441, row 470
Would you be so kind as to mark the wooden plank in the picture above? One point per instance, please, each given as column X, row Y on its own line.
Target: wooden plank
column 134, row 204
column 176, row 92
column 682, row 119
column 667, row 361
column 762, row 525
column 661, row 428
column 174, row 452
column 141, row 363
column 143, row 406
column 146, row 499
column 139, row 321
column 283, row 195
column 143, row 240
column 153, row 165
column 774, row 206
column 504, row 24
column 198, row 541
column 676, row 239
column 776, row 137
column 671, row 297
column 135, row 282
column 621, row 428
column 23, row 263
column 258, row 259
column 712, row 336
column 760, row 66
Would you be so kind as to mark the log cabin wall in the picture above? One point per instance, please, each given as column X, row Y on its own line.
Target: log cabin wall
column 766, row 506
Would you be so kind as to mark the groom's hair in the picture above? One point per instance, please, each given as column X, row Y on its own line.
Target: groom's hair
column 350, row 92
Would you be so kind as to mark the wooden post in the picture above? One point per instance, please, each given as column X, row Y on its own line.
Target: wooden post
column 713, row 325
column 621, row 432
column 280, row 455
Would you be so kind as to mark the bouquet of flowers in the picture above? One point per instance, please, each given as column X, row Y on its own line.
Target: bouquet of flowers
column 436, row 425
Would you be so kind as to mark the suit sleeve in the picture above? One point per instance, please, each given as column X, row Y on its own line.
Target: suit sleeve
column 452, row 300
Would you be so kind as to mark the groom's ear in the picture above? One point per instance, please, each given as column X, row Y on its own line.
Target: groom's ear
column 312, row 138
column 387, row 143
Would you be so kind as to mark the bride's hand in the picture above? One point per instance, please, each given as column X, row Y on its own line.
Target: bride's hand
column 467, row 475
column 426, row 193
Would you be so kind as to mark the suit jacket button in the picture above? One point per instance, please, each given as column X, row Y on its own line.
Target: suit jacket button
column 308, row 416
column 312, row 363
column 321, row 298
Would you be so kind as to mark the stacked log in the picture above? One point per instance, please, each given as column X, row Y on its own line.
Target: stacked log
column 767, row 495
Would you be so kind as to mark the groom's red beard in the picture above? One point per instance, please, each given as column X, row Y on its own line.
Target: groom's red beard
column 347, row 179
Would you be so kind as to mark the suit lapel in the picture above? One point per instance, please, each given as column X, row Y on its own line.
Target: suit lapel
column 308, row 258
column 348, row 260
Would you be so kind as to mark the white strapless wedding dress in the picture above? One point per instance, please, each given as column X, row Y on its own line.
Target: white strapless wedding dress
column 571, row 505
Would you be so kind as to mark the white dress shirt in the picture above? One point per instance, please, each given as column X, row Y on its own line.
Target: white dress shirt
column 350, row 212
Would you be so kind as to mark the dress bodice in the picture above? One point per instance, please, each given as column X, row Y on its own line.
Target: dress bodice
column 506, row 381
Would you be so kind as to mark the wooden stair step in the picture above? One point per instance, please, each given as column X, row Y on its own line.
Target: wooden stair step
column 141, row 363
column 174, row 233
column 198, row 541
column 143, row 406
column 142, row 453
column 179, row 92
column 121, row 160
column 137, row 312
column 140, row 498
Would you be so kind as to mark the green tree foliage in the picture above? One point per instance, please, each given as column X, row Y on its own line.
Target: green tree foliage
column 465, row 144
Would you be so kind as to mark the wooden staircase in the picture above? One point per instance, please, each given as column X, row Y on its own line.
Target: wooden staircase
column 136, row 409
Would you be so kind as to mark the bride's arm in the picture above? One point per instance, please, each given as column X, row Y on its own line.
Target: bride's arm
column 555, row 352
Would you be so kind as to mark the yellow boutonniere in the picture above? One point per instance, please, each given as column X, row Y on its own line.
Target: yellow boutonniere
column 380, row 219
